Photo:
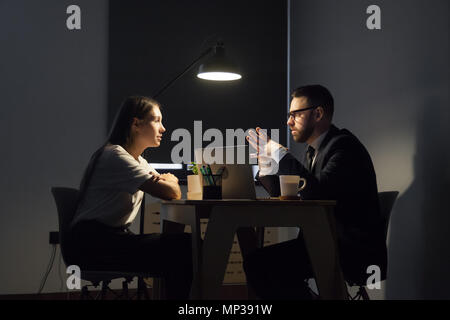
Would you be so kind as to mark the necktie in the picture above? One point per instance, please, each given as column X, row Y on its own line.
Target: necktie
column 310, row 156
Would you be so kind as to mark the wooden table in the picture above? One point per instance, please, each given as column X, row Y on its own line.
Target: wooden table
column 315, row 218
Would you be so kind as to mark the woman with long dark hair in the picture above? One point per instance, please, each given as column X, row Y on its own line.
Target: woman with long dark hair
column 111, row 194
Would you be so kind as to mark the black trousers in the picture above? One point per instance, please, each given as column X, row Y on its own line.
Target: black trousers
column 279, row 271
column 95, row 246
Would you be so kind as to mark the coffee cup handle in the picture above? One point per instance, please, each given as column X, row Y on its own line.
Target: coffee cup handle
column 304, row 184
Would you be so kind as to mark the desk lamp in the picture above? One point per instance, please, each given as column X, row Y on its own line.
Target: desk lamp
column 216, row 68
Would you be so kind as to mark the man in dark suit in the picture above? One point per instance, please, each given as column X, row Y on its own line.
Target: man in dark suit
column 336, row 167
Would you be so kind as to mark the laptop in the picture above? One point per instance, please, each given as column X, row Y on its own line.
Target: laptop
column 238, row 176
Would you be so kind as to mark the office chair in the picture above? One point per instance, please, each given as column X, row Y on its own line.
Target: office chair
column 66, row 203
column 387, row 200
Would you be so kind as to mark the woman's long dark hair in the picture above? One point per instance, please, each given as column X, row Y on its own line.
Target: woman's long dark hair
column 132, row 107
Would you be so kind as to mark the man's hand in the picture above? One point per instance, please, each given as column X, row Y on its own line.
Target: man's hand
column 264, row 146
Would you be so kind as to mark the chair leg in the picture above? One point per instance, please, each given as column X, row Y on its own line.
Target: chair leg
column 104, row 290
column 163, row 289
column 142, row 289
column 84, row 293
column 363, row 293
column 158, row 289
column 125, row 289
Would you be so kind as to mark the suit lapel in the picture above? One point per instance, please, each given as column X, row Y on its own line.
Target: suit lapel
column 322, row 149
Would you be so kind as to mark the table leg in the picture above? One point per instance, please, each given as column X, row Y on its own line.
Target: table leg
column 248, row 240
column 324, row 257
column 196, row 289
column 190, row 217
column 216, row 249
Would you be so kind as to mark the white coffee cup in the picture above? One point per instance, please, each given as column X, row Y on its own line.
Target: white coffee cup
column 289, row 185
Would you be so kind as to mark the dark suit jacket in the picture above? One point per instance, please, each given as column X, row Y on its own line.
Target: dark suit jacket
column 343, row 171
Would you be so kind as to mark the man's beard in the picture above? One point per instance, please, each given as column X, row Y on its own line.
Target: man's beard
column 303, row 136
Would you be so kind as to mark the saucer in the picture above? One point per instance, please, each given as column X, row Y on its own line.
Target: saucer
column 290, row 198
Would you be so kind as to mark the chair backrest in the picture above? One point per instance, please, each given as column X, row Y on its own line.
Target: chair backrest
column 66, row 204
column 387, row 200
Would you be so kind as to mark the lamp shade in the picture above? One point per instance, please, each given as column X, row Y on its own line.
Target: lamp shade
column 218, row 68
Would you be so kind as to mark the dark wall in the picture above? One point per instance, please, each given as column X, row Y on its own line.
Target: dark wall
column 52, row 117
column 391, row 88
column 151, row 41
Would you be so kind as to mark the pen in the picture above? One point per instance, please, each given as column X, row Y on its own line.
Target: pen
column 206, row 175
column 210, row 173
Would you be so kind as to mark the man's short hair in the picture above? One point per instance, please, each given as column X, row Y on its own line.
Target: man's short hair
column 317, row 95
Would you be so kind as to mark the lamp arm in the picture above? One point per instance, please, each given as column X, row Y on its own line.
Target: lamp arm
column 189, row 67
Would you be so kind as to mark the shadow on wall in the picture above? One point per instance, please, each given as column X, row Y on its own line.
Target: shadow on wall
column 419, row 242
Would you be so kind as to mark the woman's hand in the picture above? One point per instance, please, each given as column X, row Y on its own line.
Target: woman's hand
column 169, row 177
column 154, row 177
column 164, row 186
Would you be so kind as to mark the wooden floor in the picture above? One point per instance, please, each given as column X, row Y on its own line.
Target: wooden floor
column 229, row 292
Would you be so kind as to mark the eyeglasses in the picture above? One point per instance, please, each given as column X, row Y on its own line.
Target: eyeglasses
column 294, row 113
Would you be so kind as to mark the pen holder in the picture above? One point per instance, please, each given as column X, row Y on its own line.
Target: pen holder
column 212, row 187
column 212, row 192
